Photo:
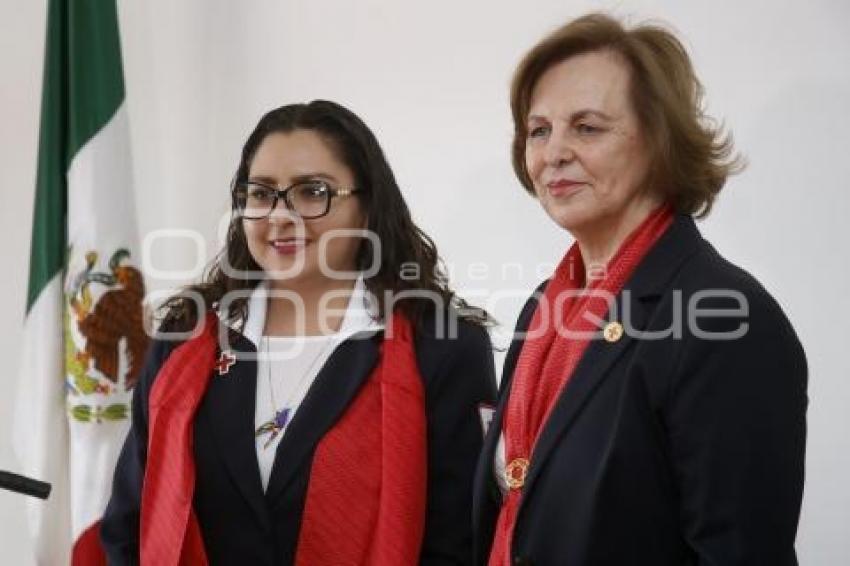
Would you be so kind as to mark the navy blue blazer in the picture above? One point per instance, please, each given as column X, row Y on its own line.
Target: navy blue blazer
column 243, row 525
column 677, row 450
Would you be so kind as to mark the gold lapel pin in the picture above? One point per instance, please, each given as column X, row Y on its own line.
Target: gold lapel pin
column 613, row 331
column 515, row 473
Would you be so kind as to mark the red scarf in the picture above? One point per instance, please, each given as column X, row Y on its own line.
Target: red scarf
column 366, row 496
column 547, row 360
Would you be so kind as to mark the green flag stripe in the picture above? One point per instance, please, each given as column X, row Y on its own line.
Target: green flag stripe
column 83, row 87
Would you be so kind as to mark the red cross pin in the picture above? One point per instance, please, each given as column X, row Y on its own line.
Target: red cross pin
column 225, row 360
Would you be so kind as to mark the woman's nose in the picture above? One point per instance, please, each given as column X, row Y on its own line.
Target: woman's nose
column 281, row 214
column 559, row 150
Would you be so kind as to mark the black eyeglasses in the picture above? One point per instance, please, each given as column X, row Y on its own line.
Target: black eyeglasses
column 307, row 199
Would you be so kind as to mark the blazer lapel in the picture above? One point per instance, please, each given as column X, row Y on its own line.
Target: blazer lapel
column 486, row 496
column 484, row 472
column 228, row 413
column 650, row 280
column 335, row 386
column 587, row 376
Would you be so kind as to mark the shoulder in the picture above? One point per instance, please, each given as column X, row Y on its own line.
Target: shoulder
column 527, row 310
column 168, row 337
column 733, row 328
column 707, row 267
column 158, row 352
column 451, row 349
column 445, row 332
column 709, row 282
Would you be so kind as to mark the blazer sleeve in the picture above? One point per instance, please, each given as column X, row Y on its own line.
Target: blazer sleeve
column 737, row 427
column 119, row 531
column 464, row 380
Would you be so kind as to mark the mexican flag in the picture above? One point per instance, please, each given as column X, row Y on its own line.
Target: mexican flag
column 83, row 335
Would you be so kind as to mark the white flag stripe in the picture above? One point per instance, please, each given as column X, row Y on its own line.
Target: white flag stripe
column 40, row 429
column 101, row 217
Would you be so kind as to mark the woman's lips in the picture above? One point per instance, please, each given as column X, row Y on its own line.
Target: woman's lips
column 289, row 246
column 563, row 187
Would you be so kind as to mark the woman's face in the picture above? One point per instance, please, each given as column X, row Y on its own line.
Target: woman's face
column 585, row 153
column 282, row 241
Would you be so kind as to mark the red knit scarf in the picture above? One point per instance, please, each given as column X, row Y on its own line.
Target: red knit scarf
column 557, row 338
column 366, row 495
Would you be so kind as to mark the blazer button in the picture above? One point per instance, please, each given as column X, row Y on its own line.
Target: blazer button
column 522, row 561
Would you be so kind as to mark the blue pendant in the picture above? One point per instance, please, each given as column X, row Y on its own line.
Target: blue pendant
column 282, row 417
column 274, row 426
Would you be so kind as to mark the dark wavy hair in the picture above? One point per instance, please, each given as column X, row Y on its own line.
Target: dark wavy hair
column 403, row 243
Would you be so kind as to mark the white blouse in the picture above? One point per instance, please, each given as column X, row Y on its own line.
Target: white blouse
column 286, row 368
column 499, row 463
column 295, row 362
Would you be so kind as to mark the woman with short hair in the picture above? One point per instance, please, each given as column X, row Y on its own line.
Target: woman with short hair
column 652, row 405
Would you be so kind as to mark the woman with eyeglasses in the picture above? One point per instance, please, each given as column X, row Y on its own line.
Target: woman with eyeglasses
column 320, row 403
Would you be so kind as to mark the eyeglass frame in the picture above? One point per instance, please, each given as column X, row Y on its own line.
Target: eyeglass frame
column 284, row 194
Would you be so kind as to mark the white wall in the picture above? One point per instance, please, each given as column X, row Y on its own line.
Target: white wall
column 431, row 80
